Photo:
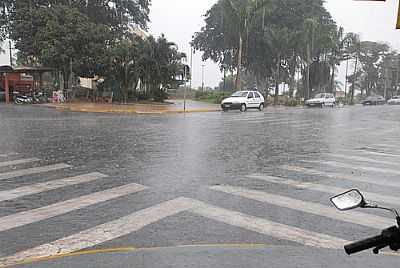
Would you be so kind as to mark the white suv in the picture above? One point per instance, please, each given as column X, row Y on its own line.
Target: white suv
column 243, row 100
column 321, row 100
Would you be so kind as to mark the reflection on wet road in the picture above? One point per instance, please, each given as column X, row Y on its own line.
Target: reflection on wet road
column 73, row 181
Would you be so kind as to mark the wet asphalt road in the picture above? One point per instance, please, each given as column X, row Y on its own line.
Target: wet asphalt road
column 199, row 157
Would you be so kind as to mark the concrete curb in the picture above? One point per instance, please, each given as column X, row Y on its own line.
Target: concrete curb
column 111, row 111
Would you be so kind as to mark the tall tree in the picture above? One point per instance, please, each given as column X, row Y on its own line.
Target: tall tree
column 123, row 64
column 260, row 52
column 53, row 32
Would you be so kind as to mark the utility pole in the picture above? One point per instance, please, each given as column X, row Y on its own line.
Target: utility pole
column 224, row 89
column 184, row 89
column 191, row 66
column 354, row 81
column 385, row 84
column 345, row 79
column 9, row 45
column 202, row 77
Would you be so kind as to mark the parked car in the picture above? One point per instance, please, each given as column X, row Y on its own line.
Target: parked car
column 322, row 100
column 374, row 100
column 394, row 101
column 243, row 100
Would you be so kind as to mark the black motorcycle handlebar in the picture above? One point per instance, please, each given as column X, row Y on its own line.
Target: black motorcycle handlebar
column 372, row 242
column 389, row 237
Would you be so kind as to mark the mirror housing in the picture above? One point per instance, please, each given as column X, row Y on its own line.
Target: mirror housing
column 349, row 200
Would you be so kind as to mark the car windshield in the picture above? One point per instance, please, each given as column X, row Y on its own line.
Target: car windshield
column 239, row 94
column 319, row 96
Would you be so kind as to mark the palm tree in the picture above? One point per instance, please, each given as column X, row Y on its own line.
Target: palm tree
column 124, row 64
column 239, row 14
column 355, row 50
column 281, row 41
column 341, row 43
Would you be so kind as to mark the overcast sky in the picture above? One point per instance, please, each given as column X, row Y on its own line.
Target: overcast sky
column 179, row 19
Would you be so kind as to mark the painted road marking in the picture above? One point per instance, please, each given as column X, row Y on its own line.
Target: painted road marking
column 35, row 215
column 246, row 118
column 343, row 165
column 266, row 227
column 338, row 176
column 363, row 159
column 375, row 153
column 47, row 186
column 104, row 232
column 31, row 171
column 17, row 162
column 307, row 207
column 290, row 123
column 140, row 219
column 324, row 188
column 8, row 155
column 261, row 121
column 279, row 122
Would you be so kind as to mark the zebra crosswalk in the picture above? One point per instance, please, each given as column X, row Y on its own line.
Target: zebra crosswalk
column 32, row 171
column 18, row 162
column 265, row 194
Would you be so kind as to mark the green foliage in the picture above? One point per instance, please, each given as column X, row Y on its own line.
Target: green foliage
column 210, row 96
column 56, row 32
column 280, row 37
column 153, row 62
column 293, row 102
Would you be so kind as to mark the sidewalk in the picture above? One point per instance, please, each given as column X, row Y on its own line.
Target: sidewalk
column 176, row 107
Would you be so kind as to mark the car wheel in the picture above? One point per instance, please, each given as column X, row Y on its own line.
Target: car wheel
column 261, row 107
column 243, row 108
column 322, row 105
column 225, row 109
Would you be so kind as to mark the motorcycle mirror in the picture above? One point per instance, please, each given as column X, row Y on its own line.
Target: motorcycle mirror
column 348, row 200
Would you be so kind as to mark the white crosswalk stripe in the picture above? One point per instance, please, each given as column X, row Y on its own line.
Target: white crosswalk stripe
column 338, row 176
column 363, row 159
column 308, row 207
column 31, row 171
column 324, row 188
column 358, row 167
column 140, row 219
column 104, row 232
column 8, row 155
column 18, row 162
column 284, row 123
column 250, row 118
column 375, row 153
column 266, row 227
column 47, row 186
column 35, row 215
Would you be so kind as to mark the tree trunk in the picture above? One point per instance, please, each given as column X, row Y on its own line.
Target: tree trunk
column 65, row 79
column 307, row 84
column 277, row 80
column 333, row 89
column 239, row 65
column 354, row 81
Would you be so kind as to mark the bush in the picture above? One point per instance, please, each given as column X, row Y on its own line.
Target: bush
column 292, row 102
column 211, row 97
column 160, row 95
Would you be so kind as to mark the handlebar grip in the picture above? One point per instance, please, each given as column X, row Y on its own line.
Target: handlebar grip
column 368, row 243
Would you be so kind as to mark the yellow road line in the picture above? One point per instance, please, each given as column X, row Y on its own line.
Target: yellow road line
column 131, row 249
column 78, row 253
